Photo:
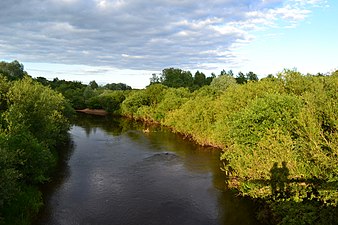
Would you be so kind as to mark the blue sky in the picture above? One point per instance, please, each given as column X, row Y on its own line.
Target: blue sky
column 310, row 47
column 128, row 40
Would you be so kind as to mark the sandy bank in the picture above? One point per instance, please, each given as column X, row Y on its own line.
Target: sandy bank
column 100, row 112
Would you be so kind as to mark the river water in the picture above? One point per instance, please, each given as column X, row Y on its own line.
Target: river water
column 114, row 173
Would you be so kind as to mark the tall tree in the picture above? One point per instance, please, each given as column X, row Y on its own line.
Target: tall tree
column 176, row 78
column 241, row 78
column 251, row 76
column 93, row 84
column 199, row 79
column 13, row 70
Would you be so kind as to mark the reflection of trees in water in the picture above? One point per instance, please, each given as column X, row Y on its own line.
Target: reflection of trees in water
column 61, row 172
column 110, row 124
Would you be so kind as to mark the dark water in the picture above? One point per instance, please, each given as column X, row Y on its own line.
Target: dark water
column 114, row 173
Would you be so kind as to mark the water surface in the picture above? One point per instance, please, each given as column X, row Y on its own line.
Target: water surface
column 114, row 173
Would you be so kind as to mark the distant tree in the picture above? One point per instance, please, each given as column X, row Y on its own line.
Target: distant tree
column 117, row 87
column 155, row 79
column 42, row 81
column 173, row 77
column 229, row 73
column 199, row 79
column 251, row 76
column 241, row 78
column 13, row 70
column 93, row 84
column 210, row 79
column 223, row 72
column 222, row 82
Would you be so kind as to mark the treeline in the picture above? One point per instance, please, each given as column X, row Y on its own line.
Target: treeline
column 32, row 123
column 81, row 95
column 176, row 78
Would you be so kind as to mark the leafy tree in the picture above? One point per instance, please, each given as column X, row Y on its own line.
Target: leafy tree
column 13, row 70
column 154, row 79
column 251, row 76
column 133, row 102
column 93, row 84
column 32, row 123
column 210, row 79
column 241, row 78
column 117, row 87
column 111, row 101
column 176, row 78
column 199, row 79
column 43, row 81
column 222, row 82
column 4, row 87
column 73, row 91
column 36, row 109
column 229, row 73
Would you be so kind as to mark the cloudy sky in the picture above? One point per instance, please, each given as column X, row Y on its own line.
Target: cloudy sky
column 128, row 40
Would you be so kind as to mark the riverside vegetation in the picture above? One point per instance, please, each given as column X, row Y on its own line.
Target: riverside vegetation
column 278, row 135
column 32, row 123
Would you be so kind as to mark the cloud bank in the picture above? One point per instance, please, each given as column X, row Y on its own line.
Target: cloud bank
column 137, row 34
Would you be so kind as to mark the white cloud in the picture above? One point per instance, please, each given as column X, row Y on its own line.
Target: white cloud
column 137, row 34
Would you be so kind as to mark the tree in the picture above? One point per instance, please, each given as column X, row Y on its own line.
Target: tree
column 176, row 78
column 36, row 109
column 199, row 79
column 117, row 87
column 251, row 76
column 210, row 79
column 93, row 84
column 42, row 80
column 241, row 78
column 13, row 70
column 222, row 82
column 155, row 79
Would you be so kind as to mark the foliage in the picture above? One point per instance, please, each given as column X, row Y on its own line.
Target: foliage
column 36, row 109
column 32, row 122
column 117, row 87
column 108, row 100
column 176, row 78
column 13, row 70
column 222, row 82
column 134, row 100
column 288, row 120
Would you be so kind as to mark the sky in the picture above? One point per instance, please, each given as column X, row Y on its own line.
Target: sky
column 112, row 41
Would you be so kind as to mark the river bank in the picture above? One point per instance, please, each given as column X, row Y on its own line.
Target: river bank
column 99, row 112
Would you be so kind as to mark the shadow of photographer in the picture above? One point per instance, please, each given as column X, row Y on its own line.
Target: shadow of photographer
column 279, row 179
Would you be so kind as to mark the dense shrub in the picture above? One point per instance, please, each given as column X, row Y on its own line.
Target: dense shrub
column 287, row 120
column 32, row 122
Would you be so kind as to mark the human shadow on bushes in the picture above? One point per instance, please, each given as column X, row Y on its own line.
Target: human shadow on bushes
column 297, row 200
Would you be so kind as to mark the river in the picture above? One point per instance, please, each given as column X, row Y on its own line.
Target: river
column 116, row 173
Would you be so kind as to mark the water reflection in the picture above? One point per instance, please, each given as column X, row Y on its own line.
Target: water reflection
column 121, row 175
